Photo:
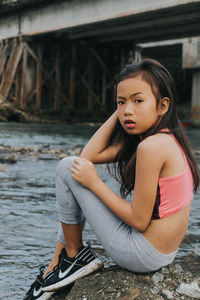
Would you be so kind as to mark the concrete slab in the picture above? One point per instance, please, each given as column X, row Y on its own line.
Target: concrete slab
column 77, row 13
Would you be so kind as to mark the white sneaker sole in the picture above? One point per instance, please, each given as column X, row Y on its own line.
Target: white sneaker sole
column 45, row 296
column 86, row 270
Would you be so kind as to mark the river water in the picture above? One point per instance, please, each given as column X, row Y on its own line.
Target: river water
column 27, row 203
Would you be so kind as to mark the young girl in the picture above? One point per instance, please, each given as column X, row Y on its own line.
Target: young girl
column 146, row 142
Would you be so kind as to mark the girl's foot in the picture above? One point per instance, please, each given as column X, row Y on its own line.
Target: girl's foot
column 35, row 292
column 69, row 269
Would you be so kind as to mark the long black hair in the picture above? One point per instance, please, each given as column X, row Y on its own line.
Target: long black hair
column 162, row 85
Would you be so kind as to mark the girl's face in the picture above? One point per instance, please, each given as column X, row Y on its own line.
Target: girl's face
column 136, row 105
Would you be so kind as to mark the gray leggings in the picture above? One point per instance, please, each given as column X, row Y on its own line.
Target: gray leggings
column 125, row 245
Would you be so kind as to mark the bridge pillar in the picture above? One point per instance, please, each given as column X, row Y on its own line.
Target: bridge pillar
column 195, row 109
column 191, row 59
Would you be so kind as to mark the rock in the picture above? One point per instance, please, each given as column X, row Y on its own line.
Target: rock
column 178, row 269
column 2, row 148
column 45, row 145
column 110, row 289
column 54, row 151
column 165, row 270
column 2, row 168
column 77, row 151
column 157, row 277
column 189, row 289
column 168, row 293
column 131, row 294
column 16, row 148
column 9, row 159
column 32, row 149
column 189, row 274
column 158, row 298
column 74, row 152
column 155, row 290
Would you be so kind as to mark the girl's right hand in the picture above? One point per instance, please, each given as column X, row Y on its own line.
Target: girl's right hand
column 84, row 172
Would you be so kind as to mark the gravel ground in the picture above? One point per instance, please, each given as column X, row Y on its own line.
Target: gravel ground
column 180, row 280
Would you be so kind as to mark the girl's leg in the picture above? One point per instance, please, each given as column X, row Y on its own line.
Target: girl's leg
column 73, row 238
column 75, row 201
column 60, row 244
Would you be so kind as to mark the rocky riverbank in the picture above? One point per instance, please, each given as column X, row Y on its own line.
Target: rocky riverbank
column 180, row 280
column 11, row 154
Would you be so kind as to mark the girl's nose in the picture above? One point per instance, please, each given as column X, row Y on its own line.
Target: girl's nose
column 128, row 109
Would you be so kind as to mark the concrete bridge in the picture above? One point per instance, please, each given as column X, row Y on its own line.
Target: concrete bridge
column 75, row 47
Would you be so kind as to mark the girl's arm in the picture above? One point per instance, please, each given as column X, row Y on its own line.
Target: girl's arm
column 97, row 149
column 148, row 165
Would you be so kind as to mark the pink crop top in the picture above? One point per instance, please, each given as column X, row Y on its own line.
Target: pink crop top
column 173, row 193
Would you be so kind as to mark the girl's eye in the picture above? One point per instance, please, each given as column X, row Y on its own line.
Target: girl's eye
column 120, row 102
column 138, row 101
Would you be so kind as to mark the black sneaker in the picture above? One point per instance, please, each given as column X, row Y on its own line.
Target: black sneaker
column 35, row 291
column 70, row 269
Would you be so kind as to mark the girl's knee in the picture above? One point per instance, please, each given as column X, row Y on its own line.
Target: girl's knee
column 65, row 164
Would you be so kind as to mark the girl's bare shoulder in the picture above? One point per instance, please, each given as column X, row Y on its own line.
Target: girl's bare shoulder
column 152, row 153
column 156, row 143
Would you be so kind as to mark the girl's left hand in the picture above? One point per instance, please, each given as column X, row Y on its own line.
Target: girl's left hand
column 84, row 172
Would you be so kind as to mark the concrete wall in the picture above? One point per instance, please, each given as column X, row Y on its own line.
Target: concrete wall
column 9, row 27
column 75, row 13
column 191, row 53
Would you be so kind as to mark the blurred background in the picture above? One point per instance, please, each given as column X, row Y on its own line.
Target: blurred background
column 58, row 63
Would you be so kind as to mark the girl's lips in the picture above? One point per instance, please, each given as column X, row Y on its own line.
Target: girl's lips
column 129, row 124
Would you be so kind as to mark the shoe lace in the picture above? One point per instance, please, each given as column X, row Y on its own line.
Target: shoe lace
column 89, row 244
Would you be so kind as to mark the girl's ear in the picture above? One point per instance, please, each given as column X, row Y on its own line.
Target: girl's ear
column 164, row 105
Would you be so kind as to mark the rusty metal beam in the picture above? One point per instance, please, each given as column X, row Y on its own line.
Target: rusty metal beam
column 18, row 88
column 11, row 69
column 24, row 78
column 3, row 55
